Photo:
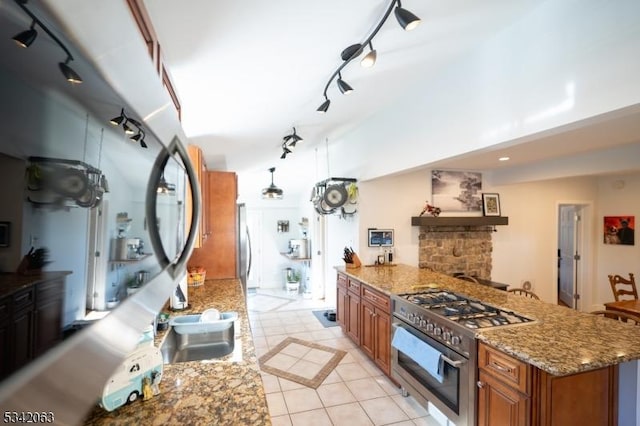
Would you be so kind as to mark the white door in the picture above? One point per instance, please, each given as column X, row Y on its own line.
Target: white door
column 568, row 256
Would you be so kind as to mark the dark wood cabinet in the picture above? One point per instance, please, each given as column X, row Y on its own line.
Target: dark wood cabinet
column 364, row 315
column 30, row 320
column 513, row 393
column 48, row 316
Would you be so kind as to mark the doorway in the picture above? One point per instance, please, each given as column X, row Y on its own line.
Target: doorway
column 572, row 244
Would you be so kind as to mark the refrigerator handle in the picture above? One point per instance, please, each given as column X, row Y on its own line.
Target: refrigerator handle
column 176, row 266
column 250, row 251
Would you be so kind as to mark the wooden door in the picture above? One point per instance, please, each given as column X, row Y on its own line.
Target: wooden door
column 353, row 320
column 383, row 340
column 499, row 404
column 218, row 252
column 341, row 308
column 368, row 329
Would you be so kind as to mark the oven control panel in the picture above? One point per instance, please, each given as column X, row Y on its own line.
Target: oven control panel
column 435, row 328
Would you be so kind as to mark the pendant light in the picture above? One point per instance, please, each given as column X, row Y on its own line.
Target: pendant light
column 272, row 192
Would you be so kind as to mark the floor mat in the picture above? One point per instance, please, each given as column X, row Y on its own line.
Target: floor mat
column 300, row 361
column 320, row 315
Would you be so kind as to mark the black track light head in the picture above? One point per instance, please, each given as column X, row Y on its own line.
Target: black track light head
column 406, row 19
column 116, row 121
column 370, row 58
column 25, row 38
column 324, row 106
column 142, row 143
column 69, row 73
column 351, row 52
column 136, row 137
column 128, row 130
column 344, row 87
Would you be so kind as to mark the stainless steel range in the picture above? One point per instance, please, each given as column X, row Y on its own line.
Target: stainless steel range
column 434, row 348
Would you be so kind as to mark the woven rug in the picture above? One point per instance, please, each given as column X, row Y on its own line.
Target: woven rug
column 300, row 361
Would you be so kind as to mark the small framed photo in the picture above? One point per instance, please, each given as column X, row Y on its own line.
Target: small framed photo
column 5, row 231
column 491, row 204
column 380, row 238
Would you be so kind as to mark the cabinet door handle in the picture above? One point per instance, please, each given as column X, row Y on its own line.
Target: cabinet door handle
column 480, row 384
column 501, row 368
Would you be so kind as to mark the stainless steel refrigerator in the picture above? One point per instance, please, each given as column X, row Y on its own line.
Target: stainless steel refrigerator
column 243, row 260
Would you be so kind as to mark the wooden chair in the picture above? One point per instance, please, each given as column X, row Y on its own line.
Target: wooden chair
column 467, row 278
column 619, row 316
column 523, row 292
column 623, row 287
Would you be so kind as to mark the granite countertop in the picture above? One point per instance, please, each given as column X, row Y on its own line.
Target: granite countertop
column 11, row 283
column 223, row 391
column 561, row 341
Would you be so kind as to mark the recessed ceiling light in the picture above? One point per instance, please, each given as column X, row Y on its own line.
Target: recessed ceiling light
column 503, row 159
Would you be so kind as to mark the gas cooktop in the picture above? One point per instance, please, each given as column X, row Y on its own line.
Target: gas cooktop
column 468, row 312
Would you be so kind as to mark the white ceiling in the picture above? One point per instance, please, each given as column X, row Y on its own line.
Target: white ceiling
column 247, row 72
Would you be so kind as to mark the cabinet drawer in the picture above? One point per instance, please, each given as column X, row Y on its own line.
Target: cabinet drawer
column 353, row 286
column 23, row 299
column 49, row 290
column 380, row 300
column 4, row 308
column 509, row 370
column 342, row 280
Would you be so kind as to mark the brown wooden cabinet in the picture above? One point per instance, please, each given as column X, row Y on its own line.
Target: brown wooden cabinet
column 218, row 252
column 197, row 160
column 48, row 315
column 512, row 392
column 364, row 315
column 30, row 322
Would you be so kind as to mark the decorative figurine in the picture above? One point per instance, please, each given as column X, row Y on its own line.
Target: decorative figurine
column 432, row 210
column 147, row 393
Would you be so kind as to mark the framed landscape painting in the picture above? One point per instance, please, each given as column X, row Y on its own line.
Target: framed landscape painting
column 456, row 191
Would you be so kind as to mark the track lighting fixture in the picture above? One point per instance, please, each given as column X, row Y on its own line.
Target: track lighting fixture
column 324, row 106
column 293, row 138
column 344, row 87
column 138, row 133
column 370, row 58
column 406, row 19
column 25, row 38
column 272, row 192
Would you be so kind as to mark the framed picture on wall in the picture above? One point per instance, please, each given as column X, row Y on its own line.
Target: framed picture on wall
column 619, row 230
column 380, row 238
column 491, row 204
column 5, row 231
column 456, row 191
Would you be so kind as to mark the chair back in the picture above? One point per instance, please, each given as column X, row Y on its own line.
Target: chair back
column 523, row 292
column 623, row 288
column 619, row 316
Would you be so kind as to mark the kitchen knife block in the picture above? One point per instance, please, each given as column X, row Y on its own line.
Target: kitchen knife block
column 356, row 262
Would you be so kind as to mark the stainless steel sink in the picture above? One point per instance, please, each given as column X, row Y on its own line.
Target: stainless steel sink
column 195, row 347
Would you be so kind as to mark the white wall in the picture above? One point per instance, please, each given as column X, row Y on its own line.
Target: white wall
column 526, row 248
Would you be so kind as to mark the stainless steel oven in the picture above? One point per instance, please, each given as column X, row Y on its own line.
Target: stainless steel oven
column 455, row 395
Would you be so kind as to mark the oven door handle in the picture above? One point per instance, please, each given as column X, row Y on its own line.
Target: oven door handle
column 449, row 361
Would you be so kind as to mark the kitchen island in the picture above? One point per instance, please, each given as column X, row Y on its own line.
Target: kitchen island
column 560, row 368
column 560, row 342
column 222, row 391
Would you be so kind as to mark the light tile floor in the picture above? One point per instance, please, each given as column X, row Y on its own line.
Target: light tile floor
column 355, row 393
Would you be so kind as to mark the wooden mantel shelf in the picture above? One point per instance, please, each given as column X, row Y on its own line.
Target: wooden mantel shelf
column 459, row 221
